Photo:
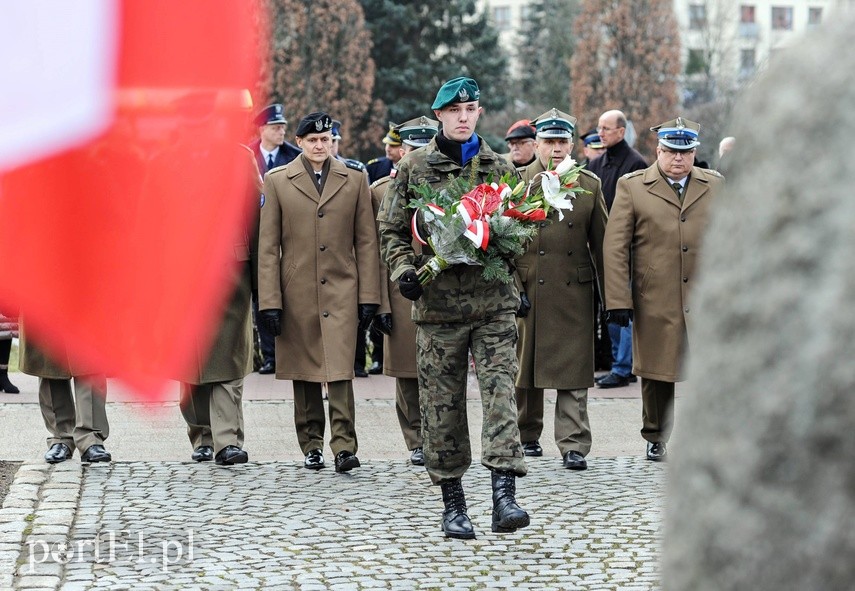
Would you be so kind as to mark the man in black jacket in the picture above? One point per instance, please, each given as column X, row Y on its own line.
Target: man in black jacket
column 618, row 160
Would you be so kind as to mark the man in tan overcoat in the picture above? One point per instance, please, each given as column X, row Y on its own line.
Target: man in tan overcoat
column 394, row 318
column 318, row 269
column 82, row 425
column 652, row 245
column 558, row 275
column 212, row 390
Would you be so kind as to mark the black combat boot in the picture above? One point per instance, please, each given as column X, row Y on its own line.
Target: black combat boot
column 507, row 515
column 455, row 521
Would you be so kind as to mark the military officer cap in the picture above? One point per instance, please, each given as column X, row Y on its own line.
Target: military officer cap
column 522, row 129
column 457, row 90
column 336, row 129
column 271, row 115
column 555, row 124
column 392, row 138
column 418, row 132
column 317, row 122
column 680, row 135
column 592, row 140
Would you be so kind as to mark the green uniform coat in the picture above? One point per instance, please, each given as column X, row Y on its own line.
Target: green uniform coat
column 328, row 264
column 399, row 348
column 229, row 356
column 556, row 346
column 651, row 252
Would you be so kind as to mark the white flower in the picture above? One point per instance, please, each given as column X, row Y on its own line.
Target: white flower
column 565, row 165
column 552, row 193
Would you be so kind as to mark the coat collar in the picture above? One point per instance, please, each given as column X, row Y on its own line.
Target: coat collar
column 336, row 176
column 696, row 187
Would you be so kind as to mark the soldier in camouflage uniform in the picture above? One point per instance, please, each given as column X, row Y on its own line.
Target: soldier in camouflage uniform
column 457, row 313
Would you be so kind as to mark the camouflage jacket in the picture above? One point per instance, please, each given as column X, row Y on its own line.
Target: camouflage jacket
column 458, row 294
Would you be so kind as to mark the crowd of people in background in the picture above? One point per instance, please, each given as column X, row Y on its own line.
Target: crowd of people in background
column 326, row 275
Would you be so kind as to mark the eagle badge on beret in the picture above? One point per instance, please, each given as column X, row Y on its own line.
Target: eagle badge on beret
column 464, row 96
column 319, row 125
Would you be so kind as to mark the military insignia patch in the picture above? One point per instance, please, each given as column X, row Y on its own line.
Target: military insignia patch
column 464, row 96
column 319, row 125
column 262, row 201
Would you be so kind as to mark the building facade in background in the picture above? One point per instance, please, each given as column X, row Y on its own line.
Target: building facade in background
column 730, row 40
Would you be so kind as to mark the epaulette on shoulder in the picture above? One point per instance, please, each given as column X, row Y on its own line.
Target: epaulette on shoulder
column 712, row 172
column 381, row 181
column 587, row 172
column 354, row 164
column 629, row 175
column 373, row 161
column 276, row 169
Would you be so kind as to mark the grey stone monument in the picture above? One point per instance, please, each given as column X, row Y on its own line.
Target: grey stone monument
column 761, row 492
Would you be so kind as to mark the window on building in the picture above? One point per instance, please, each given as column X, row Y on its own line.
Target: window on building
column 746, row 13
column 782, row 18
column 747, row 62
column 696, row 62
column 697, row 16
column 502, row 17
column 814, row 15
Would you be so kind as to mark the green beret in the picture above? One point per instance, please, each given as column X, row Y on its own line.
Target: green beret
column 458, row 90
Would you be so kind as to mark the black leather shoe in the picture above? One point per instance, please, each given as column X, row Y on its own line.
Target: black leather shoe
column 573, row 460
column 376, row 368
column 346, row 461
column 96, row 453
column 231, row 454
column 417, row 458
column 203, row 453
column 58, row 452
column 656, row 452
column 267, row 367
column 314, row 459
column 360, row 372
column 632, row 378
column 532, row 448
column 613, row 381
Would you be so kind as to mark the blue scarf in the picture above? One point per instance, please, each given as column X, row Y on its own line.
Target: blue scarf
column 469, row 149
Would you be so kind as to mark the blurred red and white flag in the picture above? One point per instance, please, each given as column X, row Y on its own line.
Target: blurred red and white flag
column 121, row 196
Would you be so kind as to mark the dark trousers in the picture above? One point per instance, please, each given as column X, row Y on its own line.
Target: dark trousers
column 268, row 341
column 657, row 415
column 309, row 416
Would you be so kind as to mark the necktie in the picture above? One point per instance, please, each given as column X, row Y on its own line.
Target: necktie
column 318, row 175
column 269, row 161
column 679, row 188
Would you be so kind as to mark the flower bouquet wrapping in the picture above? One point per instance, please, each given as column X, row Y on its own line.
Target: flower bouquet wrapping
column 488, row 223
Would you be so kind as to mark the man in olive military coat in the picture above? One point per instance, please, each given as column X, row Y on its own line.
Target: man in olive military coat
column 652, row 245
column 558, row 275
column 394, row 318
column 212, row 391
column 318, row 272
column 458, row 312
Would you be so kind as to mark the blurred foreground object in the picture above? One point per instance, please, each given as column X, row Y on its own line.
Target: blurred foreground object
column 115, row 236
column 761, row 492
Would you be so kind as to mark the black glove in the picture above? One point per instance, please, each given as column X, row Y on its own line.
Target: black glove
column 621, row 317
column 382, row 323
column 272, row 320
column 525, row 305
column 366, row 315
column 409, row 285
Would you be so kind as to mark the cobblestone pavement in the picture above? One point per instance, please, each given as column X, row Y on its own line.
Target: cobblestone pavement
column 276, row 525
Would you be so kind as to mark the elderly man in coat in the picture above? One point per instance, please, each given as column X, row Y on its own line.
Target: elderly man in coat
column 558, row 274
column 652, row 245
column 318, row 271
column 212, row 391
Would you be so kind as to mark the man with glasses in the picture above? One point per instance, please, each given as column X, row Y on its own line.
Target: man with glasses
column 618, row 160
column 521, row 143
column 651, row 248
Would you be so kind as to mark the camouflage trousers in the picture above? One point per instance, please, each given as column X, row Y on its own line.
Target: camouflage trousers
column 443, row 360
